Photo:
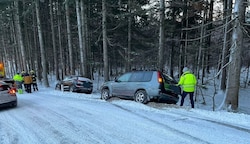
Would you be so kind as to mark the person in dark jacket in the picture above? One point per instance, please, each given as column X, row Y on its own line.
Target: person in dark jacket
column 34, row 83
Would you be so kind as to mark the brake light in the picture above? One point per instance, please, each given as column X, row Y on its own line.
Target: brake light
column 160, row 80
column 12, row 91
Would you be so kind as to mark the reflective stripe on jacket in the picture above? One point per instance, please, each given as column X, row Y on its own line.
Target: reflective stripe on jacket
column 188, row 82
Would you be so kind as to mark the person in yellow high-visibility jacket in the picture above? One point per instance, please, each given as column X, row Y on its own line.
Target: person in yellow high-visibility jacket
column 18, row 81
column 187, row 82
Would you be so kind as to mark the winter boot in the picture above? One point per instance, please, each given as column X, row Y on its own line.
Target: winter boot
column 20, row 91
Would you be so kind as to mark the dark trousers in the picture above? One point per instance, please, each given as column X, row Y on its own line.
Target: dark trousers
column 27, row 88
column 191, row 97
column 34, row 85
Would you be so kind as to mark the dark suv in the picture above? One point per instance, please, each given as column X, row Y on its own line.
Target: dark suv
column 75, row 84
column 142, row 86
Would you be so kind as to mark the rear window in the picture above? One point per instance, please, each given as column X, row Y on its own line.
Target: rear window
column 142, row 76
column 168, row 79
column 4, row 87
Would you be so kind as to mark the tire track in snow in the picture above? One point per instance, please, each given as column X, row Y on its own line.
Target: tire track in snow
column 164, row 125
column 160, row 106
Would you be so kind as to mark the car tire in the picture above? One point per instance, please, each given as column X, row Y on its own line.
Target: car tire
column 141, row 96
column 105, row 95
column 88, row 92
column 71, row 88
column 58, row 87
column 14, row 104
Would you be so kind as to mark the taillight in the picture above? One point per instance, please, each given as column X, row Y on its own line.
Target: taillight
column 12, row 91
column 160, row 80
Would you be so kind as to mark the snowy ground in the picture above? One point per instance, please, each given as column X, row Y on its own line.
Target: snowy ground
column 54, row 117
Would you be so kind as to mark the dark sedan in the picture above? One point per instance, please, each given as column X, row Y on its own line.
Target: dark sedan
column 75, row 84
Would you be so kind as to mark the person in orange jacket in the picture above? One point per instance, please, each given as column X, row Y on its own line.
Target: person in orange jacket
column 27, row 81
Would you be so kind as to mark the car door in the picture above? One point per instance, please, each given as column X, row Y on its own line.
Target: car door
column 119, row 86
column 170, row 85
column 135, row 83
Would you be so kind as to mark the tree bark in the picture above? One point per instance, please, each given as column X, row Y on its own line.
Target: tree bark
column 54, row 40
column 226, row 47
column 104, row 38
column 128, row 52
column 69, row 38
column 84, row 40
column 42, row 49
column 20, row 37
column 233, row 82
column 161, row 36
column 79, row 25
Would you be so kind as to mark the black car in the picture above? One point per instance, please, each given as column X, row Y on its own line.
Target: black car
column 75, row 84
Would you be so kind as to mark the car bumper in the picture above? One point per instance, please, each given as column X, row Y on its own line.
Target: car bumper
column 162, row 97
column 83, row 89
column 10, row 103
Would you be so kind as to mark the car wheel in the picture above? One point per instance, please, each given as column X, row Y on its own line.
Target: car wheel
column 105, row 94
column 14, row 104
column 89, row 92
column 71, row 88
column 58, row 87
column 141, row 96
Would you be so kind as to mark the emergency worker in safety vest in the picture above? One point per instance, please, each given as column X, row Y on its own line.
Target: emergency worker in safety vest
column 34, row 84
column 18, row 81
column 188, row 83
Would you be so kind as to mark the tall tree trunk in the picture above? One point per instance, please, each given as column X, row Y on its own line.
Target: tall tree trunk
column 128, row 51
column 210, row 27
column 35, row 44
column 90, row 65
column 28, row 49
column 20, row 37
column 200, row 52
column 104, row 38
column 59, row 21
column 14, row 39
column 79, row 25
column 71, row 64
column 84, row 48
column 226, row 46
column 184, row 35
column 161, row 36
column 54, row 40
column 233, row 82
column 43, row 57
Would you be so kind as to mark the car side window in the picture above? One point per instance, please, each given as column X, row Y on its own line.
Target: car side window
column 147, row 76
column 143, row 76
column 124, row 77
column 136, row 77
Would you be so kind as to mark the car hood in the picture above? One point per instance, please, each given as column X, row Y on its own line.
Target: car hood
column 107, row 83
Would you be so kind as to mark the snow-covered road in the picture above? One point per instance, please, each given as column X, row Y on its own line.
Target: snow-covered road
column 54, row 117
